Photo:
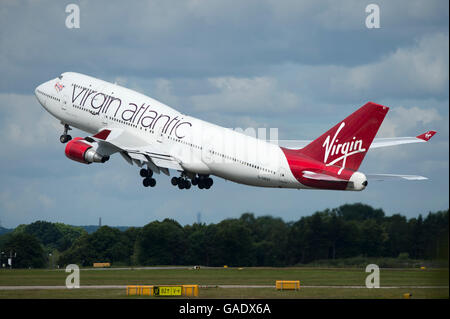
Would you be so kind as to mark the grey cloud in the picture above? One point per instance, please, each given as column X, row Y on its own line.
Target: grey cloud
column 197, row 39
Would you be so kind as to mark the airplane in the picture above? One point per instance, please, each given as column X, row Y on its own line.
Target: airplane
column 157, row 138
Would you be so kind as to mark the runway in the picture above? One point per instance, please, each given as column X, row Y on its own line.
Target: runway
column 214, row 286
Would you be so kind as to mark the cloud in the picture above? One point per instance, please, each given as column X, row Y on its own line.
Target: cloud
column 418, row 70
column 403, row 120
column 23, row 203
column 198, row 38
column 25, row 124
column 246, row 95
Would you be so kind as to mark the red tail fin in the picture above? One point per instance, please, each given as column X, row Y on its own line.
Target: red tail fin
column 347, row 143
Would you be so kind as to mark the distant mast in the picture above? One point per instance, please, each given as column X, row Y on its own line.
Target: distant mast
column 99, row 222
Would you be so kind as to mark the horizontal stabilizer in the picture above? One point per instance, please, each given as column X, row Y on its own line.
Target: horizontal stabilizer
column 378, row 142
column 322, row 177
column 383, row 177
column 391, row 141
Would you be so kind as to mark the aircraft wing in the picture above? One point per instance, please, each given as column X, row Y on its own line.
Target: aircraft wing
column 134, row 149
column 376, row 143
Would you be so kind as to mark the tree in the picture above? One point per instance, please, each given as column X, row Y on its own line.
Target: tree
column 298, row 242
column 346, row 231
column 52, row 235
column 107, row 244
column 270, row 239
column 161, row 243
column 341, row 237
column 82, row 252
column 129, row 238
column 27, row 250
column 416, row 238
column 359, row 212
column 397, row 230
column 318, row 237
column 373, row 237
column 200, row 246
column 46, row 232
column 233, row 244
column 436, row 235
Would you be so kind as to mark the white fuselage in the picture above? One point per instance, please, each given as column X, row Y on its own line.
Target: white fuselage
column 91, row 105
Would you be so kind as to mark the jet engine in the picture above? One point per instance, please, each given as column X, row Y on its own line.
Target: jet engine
column 81, row 151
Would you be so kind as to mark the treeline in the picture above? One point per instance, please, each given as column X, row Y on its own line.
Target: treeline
column 344, row 232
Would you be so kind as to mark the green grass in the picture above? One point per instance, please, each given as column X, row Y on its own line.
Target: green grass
column 241, row 293
column 231, row 276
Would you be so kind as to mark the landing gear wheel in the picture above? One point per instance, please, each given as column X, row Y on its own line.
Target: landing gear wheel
column 183, row 182
column 65, row 138
column 195, row 181
column 148, row 181
column 146, row 172
column 143, row 172
column 203, row 182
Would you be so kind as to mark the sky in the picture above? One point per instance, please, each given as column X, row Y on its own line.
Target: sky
column 298, row 66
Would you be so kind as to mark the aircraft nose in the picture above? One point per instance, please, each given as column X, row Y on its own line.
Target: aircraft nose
column 37, row 93
column 40, row 91
column 38, row 88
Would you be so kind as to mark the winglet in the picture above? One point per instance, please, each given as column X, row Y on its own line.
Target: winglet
column 426, row 136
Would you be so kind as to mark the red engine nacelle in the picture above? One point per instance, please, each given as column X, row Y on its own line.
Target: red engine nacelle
column 78, row 150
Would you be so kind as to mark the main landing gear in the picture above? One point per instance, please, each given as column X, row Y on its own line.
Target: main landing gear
column 182, row 182
column 148, row 179
column 202, row 181
column 65, row 137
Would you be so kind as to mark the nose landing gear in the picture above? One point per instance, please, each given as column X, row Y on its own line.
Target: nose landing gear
column 65, row 137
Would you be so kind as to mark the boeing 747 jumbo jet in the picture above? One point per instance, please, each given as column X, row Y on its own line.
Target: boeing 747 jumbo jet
column 157, row 138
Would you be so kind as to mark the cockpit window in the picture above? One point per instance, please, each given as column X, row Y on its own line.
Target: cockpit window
column 60, row 77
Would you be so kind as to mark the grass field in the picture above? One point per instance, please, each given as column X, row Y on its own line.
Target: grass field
column 404, row 279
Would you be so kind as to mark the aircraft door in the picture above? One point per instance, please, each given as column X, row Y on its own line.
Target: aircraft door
column 282, row 175
column 207, row 151
column 63, row 89
column 159, row 134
